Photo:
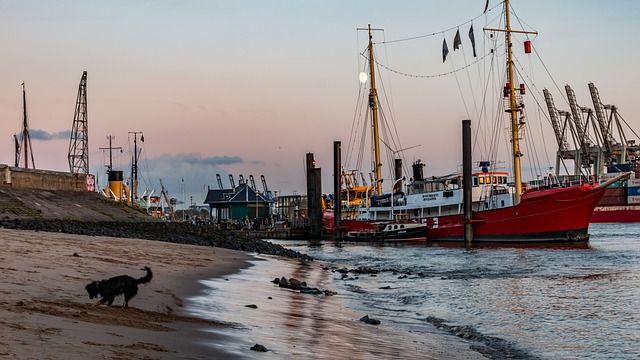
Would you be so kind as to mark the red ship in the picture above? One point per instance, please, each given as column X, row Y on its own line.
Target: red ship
column 503, row 209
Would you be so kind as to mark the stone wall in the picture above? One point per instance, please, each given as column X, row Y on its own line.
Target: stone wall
column 42, row 179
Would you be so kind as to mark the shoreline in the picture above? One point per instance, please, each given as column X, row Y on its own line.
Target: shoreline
column 291, row 324
column 46, row 313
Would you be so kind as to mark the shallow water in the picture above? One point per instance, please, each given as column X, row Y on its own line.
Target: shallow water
column 556, row 302
column 294, row 325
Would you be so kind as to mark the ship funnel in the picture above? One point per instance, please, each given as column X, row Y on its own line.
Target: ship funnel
column 418, row 171
column 115, row 184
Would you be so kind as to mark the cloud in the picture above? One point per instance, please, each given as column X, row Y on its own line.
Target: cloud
column 196, row 159
column 198, row 173
column 37, row 134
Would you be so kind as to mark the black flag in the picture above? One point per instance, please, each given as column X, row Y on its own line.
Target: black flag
column 142, row 138
column 473, row 40
column 456, row 41
column 445, row 50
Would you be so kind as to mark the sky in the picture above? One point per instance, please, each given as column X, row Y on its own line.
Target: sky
column 249, row 87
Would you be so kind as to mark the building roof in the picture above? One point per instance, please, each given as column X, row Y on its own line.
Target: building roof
column 242, row 194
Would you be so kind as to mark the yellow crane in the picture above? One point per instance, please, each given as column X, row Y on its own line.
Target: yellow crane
column 166, row 198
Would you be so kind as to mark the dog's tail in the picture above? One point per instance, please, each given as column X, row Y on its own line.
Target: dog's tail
column 146, row 278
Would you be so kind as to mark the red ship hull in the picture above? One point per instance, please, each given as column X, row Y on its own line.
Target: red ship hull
column 616, row 214
column 551, row 215
column 547, row 215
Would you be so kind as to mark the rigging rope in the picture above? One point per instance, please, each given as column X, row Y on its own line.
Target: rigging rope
column 432, row 76
column 442, row 31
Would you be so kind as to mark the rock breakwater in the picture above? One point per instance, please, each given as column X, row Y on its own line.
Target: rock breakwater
column 180, row 233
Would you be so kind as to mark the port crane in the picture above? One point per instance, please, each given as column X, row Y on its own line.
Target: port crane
column 606, row 150
column 169, row 205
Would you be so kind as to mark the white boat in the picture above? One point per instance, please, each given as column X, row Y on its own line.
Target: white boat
column 393, row 231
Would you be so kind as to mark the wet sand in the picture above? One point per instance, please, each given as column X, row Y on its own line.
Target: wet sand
column 45, row 313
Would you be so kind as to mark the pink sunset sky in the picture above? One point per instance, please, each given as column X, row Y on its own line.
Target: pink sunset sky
column 250, row 86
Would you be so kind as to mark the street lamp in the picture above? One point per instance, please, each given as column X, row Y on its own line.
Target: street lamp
column 183, row 199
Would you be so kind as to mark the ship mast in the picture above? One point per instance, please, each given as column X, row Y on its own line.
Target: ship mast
column 373, row 104
column 514, row 108
column 25, row 142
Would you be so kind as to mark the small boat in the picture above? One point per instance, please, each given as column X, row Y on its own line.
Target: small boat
column 394, row 231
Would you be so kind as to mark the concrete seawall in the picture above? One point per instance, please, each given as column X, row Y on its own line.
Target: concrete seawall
column 41, row 179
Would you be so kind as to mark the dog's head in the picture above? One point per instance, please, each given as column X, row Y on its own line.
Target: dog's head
column 93, row 290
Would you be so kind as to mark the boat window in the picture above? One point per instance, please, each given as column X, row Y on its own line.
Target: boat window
column 475, row 181
column 488, row 180
column 494, row 180
column 481, row 179
column 401, row 226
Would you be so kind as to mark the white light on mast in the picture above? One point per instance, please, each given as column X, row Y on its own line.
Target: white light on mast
column 363, row 77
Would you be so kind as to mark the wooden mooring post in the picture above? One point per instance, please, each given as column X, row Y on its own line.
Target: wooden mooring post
column 314, row 198
column 466, row 182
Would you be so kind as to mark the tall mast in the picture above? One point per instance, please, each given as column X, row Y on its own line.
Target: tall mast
column 373, row 104
column 514, row 108
column 134, row 164
column 25, row 142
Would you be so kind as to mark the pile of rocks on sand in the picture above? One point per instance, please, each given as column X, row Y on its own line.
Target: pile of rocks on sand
column 180, row 233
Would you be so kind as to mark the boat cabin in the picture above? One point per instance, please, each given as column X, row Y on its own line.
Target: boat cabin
column 436, row 197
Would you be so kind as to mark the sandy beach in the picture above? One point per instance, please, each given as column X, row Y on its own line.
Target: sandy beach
column 45, row 312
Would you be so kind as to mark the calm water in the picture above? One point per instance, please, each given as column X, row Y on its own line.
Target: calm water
column 547, row 302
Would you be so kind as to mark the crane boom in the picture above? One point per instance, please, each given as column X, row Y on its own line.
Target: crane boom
column 557, row 129
column 219, row 181
column 577, row 114
column 607, row 139
column 166, row 198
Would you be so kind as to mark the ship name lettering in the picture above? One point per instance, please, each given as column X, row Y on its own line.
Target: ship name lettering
column 429, row 197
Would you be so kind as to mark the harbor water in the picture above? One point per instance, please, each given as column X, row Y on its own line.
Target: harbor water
column 537, row 302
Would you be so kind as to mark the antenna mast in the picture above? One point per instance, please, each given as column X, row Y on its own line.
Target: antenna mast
column 79, row 142
column 111, row 148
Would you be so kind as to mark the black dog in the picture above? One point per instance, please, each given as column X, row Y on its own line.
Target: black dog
column 122, row 284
